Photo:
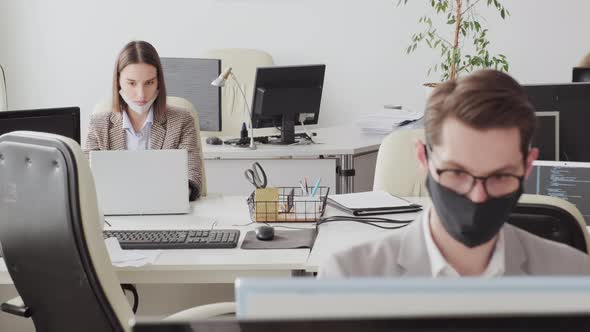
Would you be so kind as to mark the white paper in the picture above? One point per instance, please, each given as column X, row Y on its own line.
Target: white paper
column 385, row 121
column 134, row 258
column 369, row 199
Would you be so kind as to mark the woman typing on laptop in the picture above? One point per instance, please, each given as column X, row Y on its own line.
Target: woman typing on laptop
column 139, row 117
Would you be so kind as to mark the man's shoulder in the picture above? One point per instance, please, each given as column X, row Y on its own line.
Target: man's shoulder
column 550, row 257
column 372, row 258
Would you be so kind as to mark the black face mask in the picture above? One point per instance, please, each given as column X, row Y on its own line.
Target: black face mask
column 470, row 223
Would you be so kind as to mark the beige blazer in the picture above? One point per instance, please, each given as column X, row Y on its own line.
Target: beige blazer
column 403, row 253
column 173, row 129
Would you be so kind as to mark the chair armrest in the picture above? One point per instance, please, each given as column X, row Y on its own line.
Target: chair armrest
column 16, row 307
column 204, row 312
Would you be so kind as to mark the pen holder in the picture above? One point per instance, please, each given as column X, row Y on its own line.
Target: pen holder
column 291, row 205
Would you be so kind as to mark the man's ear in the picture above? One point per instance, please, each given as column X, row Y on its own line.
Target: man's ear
column 420, row 148
column 532, row 156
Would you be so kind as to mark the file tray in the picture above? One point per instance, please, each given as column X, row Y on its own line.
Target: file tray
column 292, row 205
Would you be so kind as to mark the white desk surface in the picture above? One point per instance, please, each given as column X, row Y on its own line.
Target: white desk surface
column 203, row 265
column 339, row 235
column 345, row 140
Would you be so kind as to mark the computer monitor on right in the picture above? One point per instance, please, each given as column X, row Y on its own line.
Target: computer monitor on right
column 581, row 74
column 287, row 96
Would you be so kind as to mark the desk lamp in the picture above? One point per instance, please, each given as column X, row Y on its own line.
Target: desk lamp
column 220, row 82
column 3, row 91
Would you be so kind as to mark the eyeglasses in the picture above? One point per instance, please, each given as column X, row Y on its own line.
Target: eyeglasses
column 462, row 182
column 495, row 185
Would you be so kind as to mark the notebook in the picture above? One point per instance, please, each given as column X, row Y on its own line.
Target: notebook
column 372, row 203
column 141, row 182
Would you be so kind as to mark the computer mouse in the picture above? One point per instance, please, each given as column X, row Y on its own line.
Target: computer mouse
column 265, row 233
column 214, row 140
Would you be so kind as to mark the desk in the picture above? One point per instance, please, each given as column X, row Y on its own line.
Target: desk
column 224, row 265
column 203, row 265
column 345, row 160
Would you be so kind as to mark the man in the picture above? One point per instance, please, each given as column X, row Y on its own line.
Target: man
column 477, row 153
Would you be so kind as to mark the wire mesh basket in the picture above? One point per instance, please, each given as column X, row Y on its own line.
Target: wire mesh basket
column 292, row 205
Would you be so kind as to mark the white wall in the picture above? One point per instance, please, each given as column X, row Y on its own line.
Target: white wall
column 61, row 52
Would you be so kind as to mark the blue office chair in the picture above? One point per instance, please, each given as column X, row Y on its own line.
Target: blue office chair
column 52, row 242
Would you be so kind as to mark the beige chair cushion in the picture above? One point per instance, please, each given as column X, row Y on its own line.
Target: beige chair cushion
column 178, row 102
column 397, row 170
column 244, row 63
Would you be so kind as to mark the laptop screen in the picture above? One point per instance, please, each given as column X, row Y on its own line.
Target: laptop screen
column 566, row 180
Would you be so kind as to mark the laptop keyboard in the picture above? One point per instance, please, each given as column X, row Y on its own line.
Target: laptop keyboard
column 176, row 239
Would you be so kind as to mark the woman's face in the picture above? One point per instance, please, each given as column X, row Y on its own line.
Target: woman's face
column 139, row 82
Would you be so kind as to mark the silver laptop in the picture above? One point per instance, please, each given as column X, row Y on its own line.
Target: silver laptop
column 141, row 182
column 563, row 179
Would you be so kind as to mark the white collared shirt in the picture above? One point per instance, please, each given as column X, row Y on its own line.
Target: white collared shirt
column 138, row 140
column 441, row 268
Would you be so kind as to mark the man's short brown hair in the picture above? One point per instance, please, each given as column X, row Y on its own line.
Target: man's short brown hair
column 486, row 99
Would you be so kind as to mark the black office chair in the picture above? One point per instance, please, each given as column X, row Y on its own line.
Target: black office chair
column 551, row 218
column 52, row 242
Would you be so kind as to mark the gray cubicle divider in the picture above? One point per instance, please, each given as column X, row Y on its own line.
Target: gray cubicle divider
column 191, row 78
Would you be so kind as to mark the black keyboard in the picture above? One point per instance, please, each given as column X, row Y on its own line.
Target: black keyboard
column 176, row 239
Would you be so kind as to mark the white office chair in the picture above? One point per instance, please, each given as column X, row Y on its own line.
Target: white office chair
column 397, row 170
column 244, row 63
column 51, row 236
column 178, row 102
column 3, row 91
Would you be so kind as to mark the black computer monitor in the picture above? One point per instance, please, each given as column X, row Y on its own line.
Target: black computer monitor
column 286, row 96
column 546, row 137
column 520, row 322
column 572, row 101
column 581, row 74
column 61, row 121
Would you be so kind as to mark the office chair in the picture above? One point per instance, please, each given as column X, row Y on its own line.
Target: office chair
column 244, row 63
column 397, row 171
column 51, row 237
column 552, row 218
column 178, row 102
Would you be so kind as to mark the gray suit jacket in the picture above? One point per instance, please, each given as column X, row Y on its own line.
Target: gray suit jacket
column 403, row 253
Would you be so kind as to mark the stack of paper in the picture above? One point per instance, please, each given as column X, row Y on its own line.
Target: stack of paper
column 385, row 121
column 372, row 203
column 135, row 258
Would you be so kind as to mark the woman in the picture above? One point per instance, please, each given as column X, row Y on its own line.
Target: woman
column 140, row 118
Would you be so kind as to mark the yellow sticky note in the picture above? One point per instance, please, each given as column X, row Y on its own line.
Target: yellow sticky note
column 267, row 204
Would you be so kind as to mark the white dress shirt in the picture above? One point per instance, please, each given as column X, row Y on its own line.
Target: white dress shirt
column 138, row 140
column 440, row 266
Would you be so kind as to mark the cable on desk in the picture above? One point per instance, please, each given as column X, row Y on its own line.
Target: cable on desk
column 133, row 290
column 371, row 221
column 275, row 226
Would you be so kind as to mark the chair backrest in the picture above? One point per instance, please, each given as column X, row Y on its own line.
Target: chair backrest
column 552, row 218
column 51, row 236
column 244, row 63
column 397, row 171
column 177, row 102
column 3, row 91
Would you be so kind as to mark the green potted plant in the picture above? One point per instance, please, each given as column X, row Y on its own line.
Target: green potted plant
column 461, row 40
